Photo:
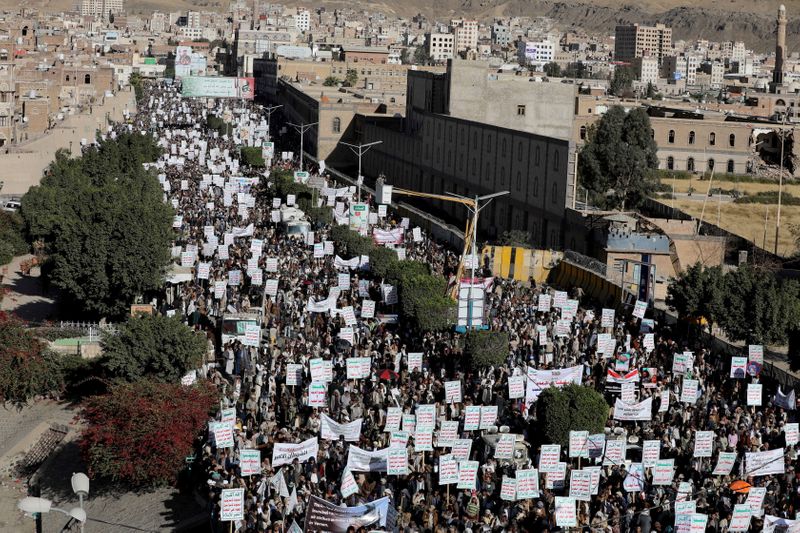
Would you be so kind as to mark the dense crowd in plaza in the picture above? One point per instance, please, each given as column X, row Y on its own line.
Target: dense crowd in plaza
column 337, row 416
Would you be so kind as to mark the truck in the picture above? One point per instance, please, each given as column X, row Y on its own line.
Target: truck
column 234, row 325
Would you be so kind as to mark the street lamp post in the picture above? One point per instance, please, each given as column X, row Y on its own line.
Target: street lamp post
column 780, row 186
column 475, row 209
column 301, row 129
column 269, row 111
column 80, row 486
column 360, row 149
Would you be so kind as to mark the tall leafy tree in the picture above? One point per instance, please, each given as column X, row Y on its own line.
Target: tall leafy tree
column 698, row 292
column 758, row 309
column 105, row 226
column 153, row 347
column 616, row 163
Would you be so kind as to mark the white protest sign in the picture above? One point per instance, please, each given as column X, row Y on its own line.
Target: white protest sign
column 467, row 475
column 250, row 462
column 349, row 485
column 397, row 462
column 448, row 470
column 505, row 446
column 527, row 484
column 578, row 446
column 580, row 485
column 651, row 453
column 452, row 391
column 754, row 394
column 725, row 462
column 549, row 458
column 508, row 490
column 231, row 505
column 516, row 387
column 703, row 443
column 566, row 513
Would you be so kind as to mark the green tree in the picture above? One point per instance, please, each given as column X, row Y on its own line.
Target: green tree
column 617, row 162
column 651, row 90
column 698, row 292
column 152, row 347
column 105, row 227
column 140, row 433
column 486, row 348
column 351, row 78
column 552, row 69
column 572, row 408
column 12, row 240
column 622, row 81
column 421, row 56
column 758, row 309
column 29, row 368
column 515, row 237
column 331, row 81
column 251, row 155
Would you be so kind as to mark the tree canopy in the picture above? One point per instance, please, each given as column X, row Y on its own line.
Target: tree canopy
column 616, row 162
column 573, row 408
column 105, row 227
column 154, row 347
column 750, row 304
column 140, row 433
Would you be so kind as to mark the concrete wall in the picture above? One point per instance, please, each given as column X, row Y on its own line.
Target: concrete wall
column 549, row 108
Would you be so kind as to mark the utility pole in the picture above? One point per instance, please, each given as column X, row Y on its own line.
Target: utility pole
column 475, row 208
column 359, row 150
column 780, row 185
column 269, row 111
column 301, row 129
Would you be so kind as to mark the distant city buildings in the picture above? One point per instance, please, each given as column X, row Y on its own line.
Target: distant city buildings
column 632, row 41
column 440, row 46
column 101, row 9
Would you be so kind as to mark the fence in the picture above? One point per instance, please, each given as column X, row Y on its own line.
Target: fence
column 90, row 329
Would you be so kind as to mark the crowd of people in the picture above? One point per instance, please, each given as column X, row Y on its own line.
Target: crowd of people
column 360, row 422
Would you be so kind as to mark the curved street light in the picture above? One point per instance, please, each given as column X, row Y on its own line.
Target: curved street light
column 80, row 486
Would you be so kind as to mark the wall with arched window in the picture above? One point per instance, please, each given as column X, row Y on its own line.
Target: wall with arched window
column 337, row 125
column 690, row 164
column 732, row 139
column 712, row 138
column 731, row 167
column 691, row 137
column 671, row 137
column 670, row 163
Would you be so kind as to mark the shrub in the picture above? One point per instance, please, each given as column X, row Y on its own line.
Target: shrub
column 153, row 347
column 573, row 408
column 486, row 348
column 140, row 433
column 29, row 368
column 251, row 155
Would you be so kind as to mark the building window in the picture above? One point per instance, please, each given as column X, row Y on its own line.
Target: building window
column 521, row 110
column 710, row 165
column 554, row 194
column 87, row 79
column 691, row 137
column 730, row 166
column 519, row 151
column 337, row 125
column 475, row 139
column 652, row 133
column 712, row 138
column 583, row 133
column 519, row 180
column 536, row 156
column 690, row 164
column 503, row 148
column 671, row 137
column 670, row 163
column 3, row 122
column 67, row 77
column 732, row 139
column 555, row 161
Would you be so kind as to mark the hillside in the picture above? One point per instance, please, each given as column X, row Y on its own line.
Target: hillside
column 752, row 22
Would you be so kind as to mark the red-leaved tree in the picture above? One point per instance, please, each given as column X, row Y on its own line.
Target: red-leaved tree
column 28, row 367
column 140, row 433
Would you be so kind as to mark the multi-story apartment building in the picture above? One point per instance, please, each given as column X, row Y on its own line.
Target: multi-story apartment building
column 158, row 22
column 632, row 41
column 101, row 8
column 440, row 46
column 302, row 19
column 538, row 52
column 466, row 34
column 501, row 35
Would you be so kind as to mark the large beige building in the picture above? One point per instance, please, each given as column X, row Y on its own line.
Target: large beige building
column 101, row 8
column 632, row 41
column 439, row 147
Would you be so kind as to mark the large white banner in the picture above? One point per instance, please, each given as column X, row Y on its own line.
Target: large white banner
column 284, row 453
column 332, row 430
column 764, row 463
column 539, row 380
column 359, row 460
column 636, row 411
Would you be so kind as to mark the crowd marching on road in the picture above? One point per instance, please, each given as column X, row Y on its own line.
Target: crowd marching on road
column 337, row 416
